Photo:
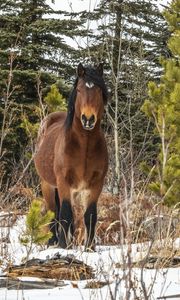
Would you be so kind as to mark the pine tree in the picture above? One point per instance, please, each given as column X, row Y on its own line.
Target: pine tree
column 129, row 27
column 163, row 106
column 35, row 40
column 36, row 231
column 132, row 35
column 33, row 53
column 55, row 100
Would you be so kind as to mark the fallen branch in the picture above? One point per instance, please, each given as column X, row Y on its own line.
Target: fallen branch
column 16, row 283
column 170, row 297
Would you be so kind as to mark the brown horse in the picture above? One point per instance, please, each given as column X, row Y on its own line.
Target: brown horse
column 72, row 160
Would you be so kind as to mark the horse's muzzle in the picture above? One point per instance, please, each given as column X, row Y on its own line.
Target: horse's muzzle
column 88, row 123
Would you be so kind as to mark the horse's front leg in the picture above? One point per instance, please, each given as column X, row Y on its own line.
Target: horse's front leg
column 90, row 219
column 65, row 216
column 66, row 223
column 90, row 216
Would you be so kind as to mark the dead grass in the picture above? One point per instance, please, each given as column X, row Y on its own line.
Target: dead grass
column 148, row 221
column 108, row 226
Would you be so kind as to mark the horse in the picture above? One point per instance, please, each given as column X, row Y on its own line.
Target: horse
column 72, row 160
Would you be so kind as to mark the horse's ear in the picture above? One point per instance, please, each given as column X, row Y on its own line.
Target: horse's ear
column 80, row 70
column 99, row 69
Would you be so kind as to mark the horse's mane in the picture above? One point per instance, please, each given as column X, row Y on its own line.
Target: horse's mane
column 90, row 75
column 71, row 106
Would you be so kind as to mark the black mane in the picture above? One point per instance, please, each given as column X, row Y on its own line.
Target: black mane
column 71, row 106
column 90, row 75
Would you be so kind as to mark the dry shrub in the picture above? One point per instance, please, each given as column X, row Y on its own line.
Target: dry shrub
column 151, row 221
column 108, row 226
column 17, row 198
column 147, row 221
column 21, row 196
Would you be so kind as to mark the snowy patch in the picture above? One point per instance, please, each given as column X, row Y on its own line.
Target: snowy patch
column 110, row 264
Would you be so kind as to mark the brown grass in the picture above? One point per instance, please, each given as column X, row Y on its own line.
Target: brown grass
column 147, row 221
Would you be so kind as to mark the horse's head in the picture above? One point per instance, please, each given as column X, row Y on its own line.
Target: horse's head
column 91, row 96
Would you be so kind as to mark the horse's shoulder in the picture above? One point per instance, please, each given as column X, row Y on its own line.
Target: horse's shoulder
column 50, row 123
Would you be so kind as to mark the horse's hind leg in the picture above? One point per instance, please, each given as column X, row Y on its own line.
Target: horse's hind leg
column 55, row 222
column 51, row 197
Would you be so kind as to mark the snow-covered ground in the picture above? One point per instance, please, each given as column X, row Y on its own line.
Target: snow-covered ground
column 106, row 261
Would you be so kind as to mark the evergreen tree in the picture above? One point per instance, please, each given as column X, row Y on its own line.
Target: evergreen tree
column 33, row 54
column 128, row 27
column 36, row 231
column 163, row 106
column 131, row 36
column 35, row 39
column 55, row 100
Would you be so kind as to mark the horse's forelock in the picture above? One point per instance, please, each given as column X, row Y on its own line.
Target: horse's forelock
column 92, row 75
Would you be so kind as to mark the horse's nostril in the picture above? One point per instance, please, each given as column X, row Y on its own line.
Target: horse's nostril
column 84, row 120
column 83, row 117
column 92, row 118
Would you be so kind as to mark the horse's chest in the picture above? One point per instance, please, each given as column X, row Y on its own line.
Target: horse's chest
column 81, row 177
column 84, row 163
column 80, row 159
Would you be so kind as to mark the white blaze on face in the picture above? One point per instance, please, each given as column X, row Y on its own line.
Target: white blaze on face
column 90, row 85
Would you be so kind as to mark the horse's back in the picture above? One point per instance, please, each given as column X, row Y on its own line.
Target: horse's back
column 50, row 129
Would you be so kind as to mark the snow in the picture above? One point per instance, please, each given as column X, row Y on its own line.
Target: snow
column 67, row 293
column 107, row 262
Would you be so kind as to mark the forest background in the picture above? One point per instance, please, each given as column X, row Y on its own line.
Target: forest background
column 139, row 44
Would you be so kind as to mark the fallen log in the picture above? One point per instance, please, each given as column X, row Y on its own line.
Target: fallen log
column 58, row 267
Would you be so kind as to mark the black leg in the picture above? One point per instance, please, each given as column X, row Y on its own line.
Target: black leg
column 90, row 219
column 55, row 222
column 66, row 223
